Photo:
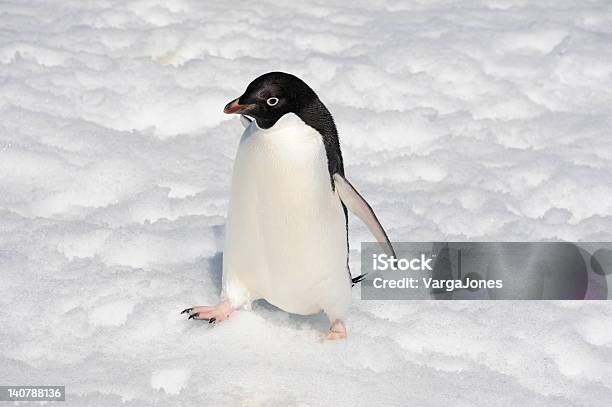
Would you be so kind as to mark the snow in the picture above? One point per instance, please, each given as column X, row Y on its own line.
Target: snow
column 459, row 120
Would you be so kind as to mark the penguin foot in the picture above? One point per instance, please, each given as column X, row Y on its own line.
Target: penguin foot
column 336, row 331
column 212, row 314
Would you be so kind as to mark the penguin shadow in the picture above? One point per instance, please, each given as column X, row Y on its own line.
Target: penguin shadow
column 215, row 263
column 215, row 270
column 278, row 317
column 528, row 271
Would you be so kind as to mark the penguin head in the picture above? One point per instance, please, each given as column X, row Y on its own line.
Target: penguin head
column 271, row 96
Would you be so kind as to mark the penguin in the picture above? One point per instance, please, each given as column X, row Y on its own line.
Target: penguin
column 286, row 237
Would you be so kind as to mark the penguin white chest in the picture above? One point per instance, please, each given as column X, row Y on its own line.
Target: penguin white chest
column 286, row 230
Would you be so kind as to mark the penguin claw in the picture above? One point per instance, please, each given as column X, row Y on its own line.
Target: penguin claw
column 211, row 314
column 196, row 315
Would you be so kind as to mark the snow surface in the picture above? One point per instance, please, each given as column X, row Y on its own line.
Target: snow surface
column 459, row 120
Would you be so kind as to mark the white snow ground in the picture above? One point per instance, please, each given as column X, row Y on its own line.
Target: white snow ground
column 479, row 120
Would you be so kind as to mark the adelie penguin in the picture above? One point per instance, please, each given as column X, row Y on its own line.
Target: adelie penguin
column 287, row 228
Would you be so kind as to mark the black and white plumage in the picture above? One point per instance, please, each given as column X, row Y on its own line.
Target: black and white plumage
column 294, row 96
column 286, row 235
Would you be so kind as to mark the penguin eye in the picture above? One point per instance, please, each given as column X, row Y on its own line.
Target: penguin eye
column 272, row 101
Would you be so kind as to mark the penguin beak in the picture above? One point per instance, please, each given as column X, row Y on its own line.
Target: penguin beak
column 235, row 107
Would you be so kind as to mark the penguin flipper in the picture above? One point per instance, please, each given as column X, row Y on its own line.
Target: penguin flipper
column 360, row 208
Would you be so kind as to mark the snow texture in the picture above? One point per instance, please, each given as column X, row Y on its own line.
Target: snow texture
column 459, row 120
